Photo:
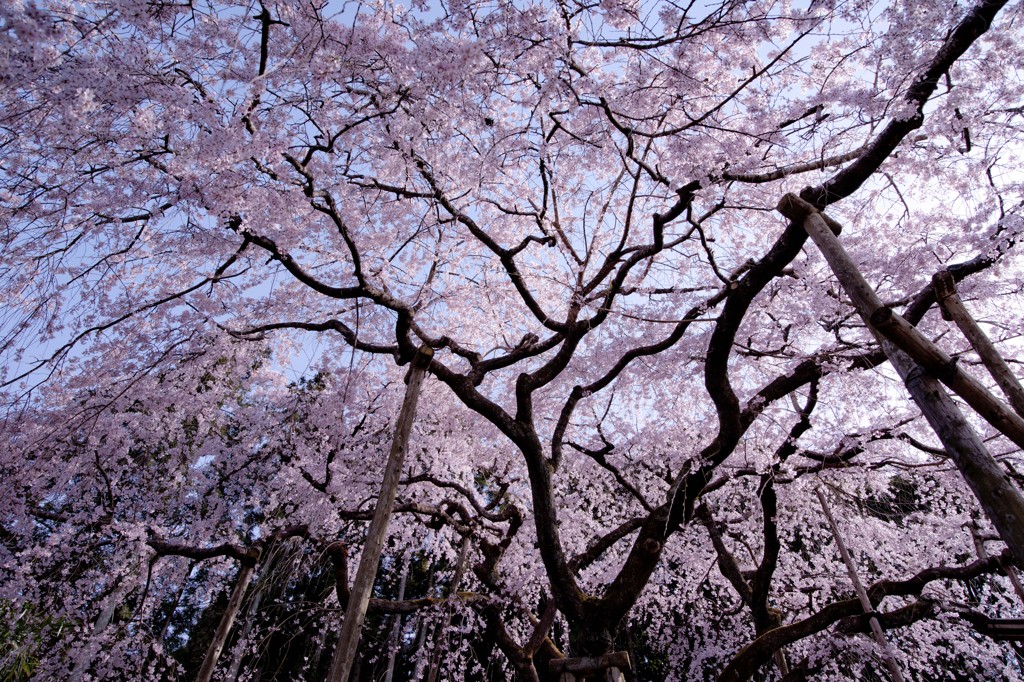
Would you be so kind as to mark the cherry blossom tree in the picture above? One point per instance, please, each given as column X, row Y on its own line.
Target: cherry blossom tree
column 228, row 226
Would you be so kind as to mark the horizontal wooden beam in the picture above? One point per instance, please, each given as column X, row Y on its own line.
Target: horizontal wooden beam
column 1001, row 629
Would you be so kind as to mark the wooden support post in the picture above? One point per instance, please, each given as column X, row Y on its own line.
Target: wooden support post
column 352, row 625
column 241, row 648
column 953, row 309
column 220, row 638
column 85, row 659
column 396, row 629
column 940, row 365
column 897, row 330
column 1011, row 571
column 270, row 553
column 441, row 639
column 999, row 497
column 780, row 662
column 865, row 602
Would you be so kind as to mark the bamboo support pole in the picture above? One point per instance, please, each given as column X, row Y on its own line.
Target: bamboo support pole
column 999, row 497
column 220, row 638
column 865, row 602
column 953, row 309
column 348, row 641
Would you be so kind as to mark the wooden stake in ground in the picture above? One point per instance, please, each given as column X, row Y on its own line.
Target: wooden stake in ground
column 865, row 602
column 999, row 497
column 352, row 625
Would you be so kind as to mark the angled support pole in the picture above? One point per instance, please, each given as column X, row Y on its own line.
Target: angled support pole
column 862, row 594
column 102, row 623
column 1011, row 570
column 220, row 638
column 352, row 625
column 953, row 309
column 939, row 364
column 999, row 497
